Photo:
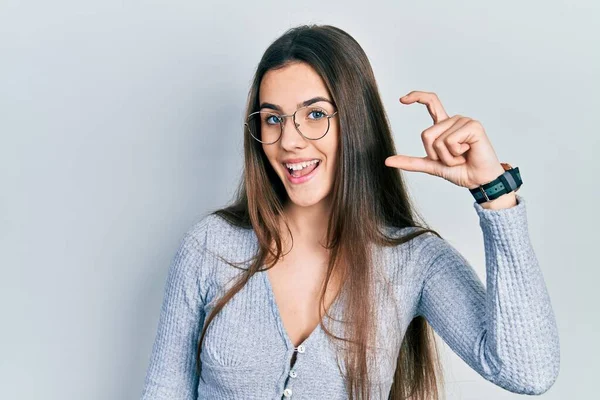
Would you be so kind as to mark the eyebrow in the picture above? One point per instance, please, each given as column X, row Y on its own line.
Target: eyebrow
column 303, row 104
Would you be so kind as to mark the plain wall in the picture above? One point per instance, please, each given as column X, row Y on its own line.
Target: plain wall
column 121, row 125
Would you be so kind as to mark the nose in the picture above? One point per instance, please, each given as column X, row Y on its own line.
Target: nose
column 290, row 137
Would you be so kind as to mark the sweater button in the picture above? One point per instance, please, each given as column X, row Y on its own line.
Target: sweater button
column 287, row 392
column 293, row 374
column 301, row 349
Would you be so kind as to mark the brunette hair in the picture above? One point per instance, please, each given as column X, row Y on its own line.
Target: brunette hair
column 367, row 197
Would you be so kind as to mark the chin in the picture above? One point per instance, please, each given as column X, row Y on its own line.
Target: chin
column 303, row 202
column 307, row 199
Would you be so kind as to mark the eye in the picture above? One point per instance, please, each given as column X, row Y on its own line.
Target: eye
column 272, row 119
column 317, row 114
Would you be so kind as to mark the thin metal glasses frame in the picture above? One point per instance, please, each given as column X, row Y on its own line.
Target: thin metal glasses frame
column 283, row 120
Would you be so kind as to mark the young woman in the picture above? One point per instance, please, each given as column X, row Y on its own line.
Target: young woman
column 319, row 282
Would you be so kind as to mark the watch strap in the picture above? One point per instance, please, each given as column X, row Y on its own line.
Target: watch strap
column 508, row 182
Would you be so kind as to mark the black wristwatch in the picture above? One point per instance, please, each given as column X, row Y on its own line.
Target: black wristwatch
column 508, row 182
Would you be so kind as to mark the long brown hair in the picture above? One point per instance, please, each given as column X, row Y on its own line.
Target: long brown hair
column 367, row 196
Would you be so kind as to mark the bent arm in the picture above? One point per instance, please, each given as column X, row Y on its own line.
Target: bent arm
column 507, row 332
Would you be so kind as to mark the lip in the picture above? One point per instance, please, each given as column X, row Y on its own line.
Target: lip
column 304, row 178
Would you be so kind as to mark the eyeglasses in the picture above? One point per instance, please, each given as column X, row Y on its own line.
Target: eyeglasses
column 312, row 122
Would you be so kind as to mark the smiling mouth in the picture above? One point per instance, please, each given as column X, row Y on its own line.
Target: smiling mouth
column 297, row 173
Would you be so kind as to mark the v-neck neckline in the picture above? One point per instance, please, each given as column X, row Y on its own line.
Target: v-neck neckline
column 279, row 320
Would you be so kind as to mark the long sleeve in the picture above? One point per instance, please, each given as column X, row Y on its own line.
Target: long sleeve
column 507, row 331
column 172, row 371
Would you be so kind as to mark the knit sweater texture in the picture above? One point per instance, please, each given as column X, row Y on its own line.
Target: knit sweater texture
column 505, row 330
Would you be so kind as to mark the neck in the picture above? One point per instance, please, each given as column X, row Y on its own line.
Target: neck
column 309, row 224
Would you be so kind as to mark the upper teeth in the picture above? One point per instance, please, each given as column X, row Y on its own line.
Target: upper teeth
column 301, row 165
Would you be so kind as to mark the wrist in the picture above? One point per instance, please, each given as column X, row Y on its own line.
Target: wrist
column 493, row 175
column 507, row 200
column 499, row 192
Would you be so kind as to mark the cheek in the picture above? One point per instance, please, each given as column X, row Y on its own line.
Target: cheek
column 270, row 153
column 331, row 149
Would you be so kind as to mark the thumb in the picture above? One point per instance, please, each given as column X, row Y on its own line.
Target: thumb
column 408, row 163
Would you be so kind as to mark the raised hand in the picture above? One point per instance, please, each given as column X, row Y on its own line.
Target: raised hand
column 457, row 147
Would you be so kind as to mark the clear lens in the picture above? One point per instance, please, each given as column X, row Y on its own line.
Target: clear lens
column 312, row 122
column 264, row 126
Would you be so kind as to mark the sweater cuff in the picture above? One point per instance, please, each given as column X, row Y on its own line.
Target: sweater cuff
column 498, row 221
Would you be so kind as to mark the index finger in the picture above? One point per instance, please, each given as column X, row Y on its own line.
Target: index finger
column 431, row 100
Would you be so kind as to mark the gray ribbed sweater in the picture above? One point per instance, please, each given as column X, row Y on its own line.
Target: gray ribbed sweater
column 507, row 333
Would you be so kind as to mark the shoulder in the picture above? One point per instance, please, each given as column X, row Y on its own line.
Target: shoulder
column 417, row 241
column 216, row 235
column 210, row 224
column 197, row 234
column 421, row 249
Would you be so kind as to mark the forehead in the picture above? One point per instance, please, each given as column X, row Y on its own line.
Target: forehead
column 291, row 85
